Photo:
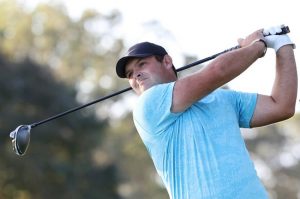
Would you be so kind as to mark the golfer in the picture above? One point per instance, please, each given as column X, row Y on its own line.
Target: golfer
column 191, row 127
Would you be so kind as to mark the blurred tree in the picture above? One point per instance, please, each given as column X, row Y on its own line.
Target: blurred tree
column 276, row 153
column 59, row 162
column 78, row 51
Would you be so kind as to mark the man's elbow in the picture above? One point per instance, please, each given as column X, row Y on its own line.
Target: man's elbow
column 288, row 112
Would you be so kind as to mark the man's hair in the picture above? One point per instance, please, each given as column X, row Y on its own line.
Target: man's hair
column 160, row 58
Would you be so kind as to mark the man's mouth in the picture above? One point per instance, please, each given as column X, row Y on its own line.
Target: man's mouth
column 141, row 82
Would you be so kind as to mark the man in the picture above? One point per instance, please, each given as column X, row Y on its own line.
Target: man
column 191, row 127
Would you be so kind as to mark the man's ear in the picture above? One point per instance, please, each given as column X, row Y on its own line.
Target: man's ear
column 168, row 62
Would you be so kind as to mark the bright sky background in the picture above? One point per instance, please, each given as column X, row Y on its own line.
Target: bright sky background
column 202, row 28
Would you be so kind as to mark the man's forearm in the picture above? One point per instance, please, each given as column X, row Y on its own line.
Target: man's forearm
column 220, row 71
column 285, row 86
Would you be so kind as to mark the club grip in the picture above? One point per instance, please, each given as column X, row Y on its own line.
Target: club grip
column 284, row 30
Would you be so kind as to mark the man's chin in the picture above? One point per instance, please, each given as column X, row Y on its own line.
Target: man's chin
column 141, row 90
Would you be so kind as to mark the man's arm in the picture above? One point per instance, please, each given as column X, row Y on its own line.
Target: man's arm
column 281, row 104
column 221, row 70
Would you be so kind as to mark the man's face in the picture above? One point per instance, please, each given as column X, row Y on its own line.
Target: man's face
column 144, row 73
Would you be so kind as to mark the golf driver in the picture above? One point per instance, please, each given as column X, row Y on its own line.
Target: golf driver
column 21, row 135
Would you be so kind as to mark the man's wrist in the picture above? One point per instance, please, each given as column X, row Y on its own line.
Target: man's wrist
column 264, row 43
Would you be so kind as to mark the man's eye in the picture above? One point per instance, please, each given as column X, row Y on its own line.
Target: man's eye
column 141, row 64
column 128, row 75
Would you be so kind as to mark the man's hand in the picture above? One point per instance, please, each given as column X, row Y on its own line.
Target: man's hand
column 276, row 41
column 243, row 42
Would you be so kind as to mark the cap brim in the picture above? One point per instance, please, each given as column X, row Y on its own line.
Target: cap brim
column 121, row 64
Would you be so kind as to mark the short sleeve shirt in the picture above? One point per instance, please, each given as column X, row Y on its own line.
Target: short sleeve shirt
column 200, row 153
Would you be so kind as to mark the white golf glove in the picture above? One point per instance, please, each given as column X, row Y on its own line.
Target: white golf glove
column 276, row 41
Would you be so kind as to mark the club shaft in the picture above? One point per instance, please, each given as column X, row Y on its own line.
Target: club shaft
column 285, row 30
column 205, row 59
column 79, row 107
column 124, row 90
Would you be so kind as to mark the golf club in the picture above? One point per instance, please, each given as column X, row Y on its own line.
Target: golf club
column 21, row 135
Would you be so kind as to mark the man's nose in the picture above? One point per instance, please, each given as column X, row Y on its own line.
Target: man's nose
column 137, row 74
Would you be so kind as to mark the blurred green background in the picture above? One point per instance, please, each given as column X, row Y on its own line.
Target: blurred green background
column 49, row 63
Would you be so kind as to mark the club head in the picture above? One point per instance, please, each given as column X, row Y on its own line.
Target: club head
column 20, row 139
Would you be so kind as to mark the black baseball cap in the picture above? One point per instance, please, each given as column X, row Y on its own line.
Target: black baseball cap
column 139, row 50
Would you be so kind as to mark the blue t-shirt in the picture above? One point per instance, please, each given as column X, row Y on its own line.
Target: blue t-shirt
column 200, row 153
